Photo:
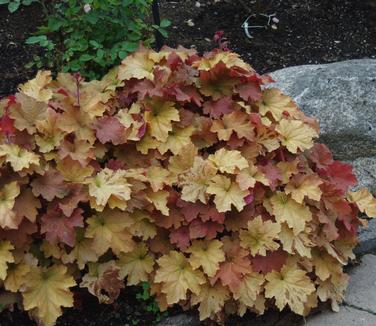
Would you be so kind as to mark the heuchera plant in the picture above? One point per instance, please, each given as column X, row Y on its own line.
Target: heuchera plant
column 177, row 170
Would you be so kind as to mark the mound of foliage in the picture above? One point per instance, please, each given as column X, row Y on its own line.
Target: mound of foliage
column 177, row 170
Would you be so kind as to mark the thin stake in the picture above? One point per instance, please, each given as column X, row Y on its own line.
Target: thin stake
column 157, row 21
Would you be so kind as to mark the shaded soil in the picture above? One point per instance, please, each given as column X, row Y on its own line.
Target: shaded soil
column 308, row 31
column 14, row 53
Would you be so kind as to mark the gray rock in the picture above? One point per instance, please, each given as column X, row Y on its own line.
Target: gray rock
column 181, row 320
column 347, row 316
column 361, row 292
column 342, row 96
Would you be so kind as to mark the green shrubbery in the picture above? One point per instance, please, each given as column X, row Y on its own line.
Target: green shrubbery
column 92, row 36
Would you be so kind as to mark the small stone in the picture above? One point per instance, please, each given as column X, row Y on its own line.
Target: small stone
column 198, row 4
column 190, row 23
column 207, row 39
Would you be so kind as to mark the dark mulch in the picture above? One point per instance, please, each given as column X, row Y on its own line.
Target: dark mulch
column 14, row 53
column 309, row 31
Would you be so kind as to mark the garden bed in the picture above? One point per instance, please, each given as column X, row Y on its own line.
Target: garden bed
column 308, row 32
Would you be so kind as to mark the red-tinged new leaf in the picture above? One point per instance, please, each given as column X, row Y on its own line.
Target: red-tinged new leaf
column 180, row 237
column 109, row 129
column 218, row 108
column 59, row 228
column 273, row 261
column 50, row 185
column 250, row 91
column 340, row 174
column 321, row 155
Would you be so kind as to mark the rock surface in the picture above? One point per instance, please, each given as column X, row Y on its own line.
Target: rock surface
column 342, row 96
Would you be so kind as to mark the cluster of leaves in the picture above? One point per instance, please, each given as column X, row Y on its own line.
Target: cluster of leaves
column 177, row 170
column 13, row 5
column 92, row 36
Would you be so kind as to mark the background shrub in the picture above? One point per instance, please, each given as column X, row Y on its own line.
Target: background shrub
column 92, row 36
column 176, row 171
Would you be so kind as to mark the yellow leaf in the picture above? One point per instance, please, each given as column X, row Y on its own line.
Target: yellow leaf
column 136, row 265
column 159, row 200
column 211, row 299
column 73, row 171
column 103, row 281
column 109, row 229
column 146, row 143
column 47, row 290
column 16, row 276
column 296, row 135
column 143, row 225
column 275, row 102
column 49, row 134
column 286, row 209
column 8, row 195
column 138, row 65
column 288, row 169
column 36, row 88
column 230, row 59
column 228, row 161
column 183, row 161
column 235, row 122
column 27, row 205
column 177, row 139
column 109, row 184
column 5, row 257
column 206, row 254
column 226, row 193
column 249, row 289
column 160, row 116
column 260, row 236
column 126, row 118
column 77, row 121
column 296, row 243
column 81, row 253
column 28, row 113
column 291, row 286
column 248, row 177
column 308, row 186
column 325, row 265
column 333, row 289
column 196, row 180
column 177, row 277
column 158, row 177
column 364, row 200
column 18, row 157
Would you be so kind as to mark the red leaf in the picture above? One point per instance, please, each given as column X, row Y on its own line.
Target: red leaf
column 340, row 174
column 109, row 129
column 320, row 155
column 218, row 108
column 274, row 260
column 208, row 230
column 180, row 237
column 58, row 227
column 250, row 91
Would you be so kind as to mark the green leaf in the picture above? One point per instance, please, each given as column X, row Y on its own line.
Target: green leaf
column 86, row 57
column 13, row 6
column 165, row 23
column 3, row 2
column 130, row 46
column 36, row 39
